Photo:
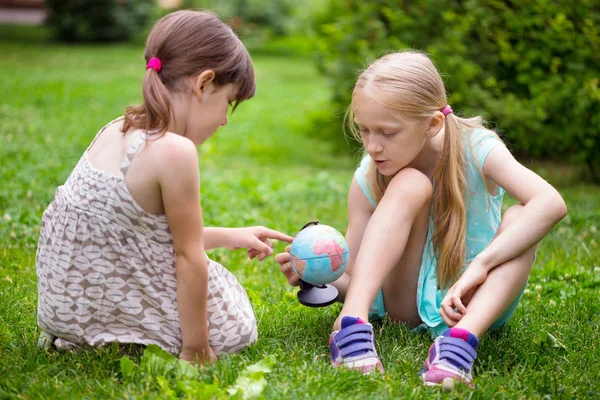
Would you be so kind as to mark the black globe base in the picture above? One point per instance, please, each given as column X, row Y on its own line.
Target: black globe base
column 316, row 296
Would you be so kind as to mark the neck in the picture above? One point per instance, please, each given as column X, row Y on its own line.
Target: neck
column 430, row 154
column 179, row 108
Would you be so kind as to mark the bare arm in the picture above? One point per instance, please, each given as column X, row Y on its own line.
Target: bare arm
column 257, row 239
column 215, row 238
column 544, row 208
column 360, row 211
column 180, row 187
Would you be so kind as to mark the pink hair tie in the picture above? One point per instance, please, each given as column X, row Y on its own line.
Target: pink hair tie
column 155, row 64
column 447, row 110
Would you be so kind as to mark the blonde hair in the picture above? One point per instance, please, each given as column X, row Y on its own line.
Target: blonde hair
column 188, row 43
column 409, row 83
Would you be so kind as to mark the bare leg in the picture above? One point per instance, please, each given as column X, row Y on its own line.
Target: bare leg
column 391, row 250
column 400, row 286
column 500, row 289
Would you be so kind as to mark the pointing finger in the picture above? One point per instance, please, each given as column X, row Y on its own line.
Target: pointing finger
column 273, row 234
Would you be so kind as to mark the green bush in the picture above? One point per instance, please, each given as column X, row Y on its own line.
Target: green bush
column 531, row 67
column 98, row 20
column 267, row 26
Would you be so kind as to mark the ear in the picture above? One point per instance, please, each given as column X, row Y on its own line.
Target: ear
column 435, row 124
column 202, row 82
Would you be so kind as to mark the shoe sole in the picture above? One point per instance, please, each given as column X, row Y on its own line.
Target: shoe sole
column 364, row 366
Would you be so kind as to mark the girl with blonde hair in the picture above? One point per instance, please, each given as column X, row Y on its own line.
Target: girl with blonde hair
column 428, row 244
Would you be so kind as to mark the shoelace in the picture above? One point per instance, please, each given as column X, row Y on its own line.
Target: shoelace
column 457, row 352
column 356, row 340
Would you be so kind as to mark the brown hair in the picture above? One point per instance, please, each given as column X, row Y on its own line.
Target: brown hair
column 409, row 83
column 188, row 43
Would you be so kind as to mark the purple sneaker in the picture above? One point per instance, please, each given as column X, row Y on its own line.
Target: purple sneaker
column 451, row 356
column 354, row 346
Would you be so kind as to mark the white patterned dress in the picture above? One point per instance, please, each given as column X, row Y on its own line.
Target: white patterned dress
column 106, row 271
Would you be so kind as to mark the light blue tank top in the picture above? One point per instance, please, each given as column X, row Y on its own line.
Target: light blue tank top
column 483, row 220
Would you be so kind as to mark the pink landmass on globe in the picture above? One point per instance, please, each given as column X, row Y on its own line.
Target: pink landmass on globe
column 330, row 248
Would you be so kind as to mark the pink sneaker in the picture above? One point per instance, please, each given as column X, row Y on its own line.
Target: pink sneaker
column 451, row 356
column 354, row 346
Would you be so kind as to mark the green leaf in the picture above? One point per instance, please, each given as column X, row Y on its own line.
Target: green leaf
column 167, row 392
column 248, row 388
column 127, row 366
column 542, row 336
column 554, row 342
column 251, row 382
column 153, row 349
column 198, row 390
column 187, row 370
column 156, row 361
column 263, row 366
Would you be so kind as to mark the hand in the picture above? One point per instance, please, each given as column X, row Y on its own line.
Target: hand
column 459, row 294
column 195, row 356
column 286, row 267
column 257, row 239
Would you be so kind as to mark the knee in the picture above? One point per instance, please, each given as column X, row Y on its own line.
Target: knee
column 411, row 184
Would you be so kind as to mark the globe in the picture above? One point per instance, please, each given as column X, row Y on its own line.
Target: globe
column 319, row 254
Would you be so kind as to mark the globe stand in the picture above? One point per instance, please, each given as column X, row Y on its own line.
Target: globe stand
column 316, row 296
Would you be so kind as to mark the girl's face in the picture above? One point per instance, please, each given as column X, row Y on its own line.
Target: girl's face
column 391, row 142
column 209, row 112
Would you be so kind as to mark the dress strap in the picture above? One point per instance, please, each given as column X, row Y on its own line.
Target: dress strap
column 103, row 129
column 131, row 152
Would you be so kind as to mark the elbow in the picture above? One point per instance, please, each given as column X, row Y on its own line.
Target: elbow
column 190, row 261
column 559, row 207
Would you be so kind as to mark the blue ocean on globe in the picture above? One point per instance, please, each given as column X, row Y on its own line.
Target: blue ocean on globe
column 319, row 254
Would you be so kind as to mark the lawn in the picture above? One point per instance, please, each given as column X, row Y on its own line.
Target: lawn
column 266, row 167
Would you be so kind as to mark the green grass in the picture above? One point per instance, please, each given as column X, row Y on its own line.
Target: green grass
column 266, row 167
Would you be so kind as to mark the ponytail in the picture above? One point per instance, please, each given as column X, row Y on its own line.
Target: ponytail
column 449, row 208
column 155, row 112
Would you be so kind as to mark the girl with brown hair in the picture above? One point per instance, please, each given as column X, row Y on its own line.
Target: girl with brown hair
column 121, row 255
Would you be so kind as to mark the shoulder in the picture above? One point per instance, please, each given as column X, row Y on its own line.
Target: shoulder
column 173, row 148
column 361, row 176
column 362, row 171
column 481, row 137
column 479, row 143
column 173, row 151
column 173, row 157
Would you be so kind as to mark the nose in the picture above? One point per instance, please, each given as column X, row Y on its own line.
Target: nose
column 224, row 122
column 372, row 145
